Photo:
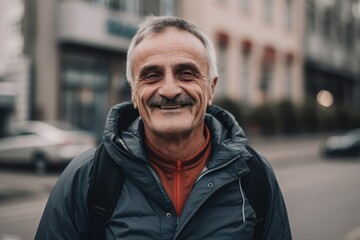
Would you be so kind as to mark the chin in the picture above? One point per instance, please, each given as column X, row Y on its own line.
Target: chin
column 171, row 130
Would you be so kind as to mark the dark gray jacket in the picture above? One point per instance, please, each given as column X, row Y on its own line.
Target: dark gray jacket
column 217, row 207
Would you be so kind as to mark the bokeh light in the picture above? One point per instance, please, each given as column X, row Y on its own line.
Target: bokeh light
column 325, row 98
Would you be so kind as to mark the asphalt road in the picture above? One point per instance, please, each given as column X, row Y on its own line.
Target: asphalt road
column 323, row 199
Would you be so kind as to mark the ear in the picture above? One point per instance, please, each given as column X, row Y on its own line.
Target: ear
column 212, row 90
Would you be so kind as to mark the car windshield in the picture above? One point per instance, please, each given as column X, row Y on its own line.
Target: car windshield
column 354, row 134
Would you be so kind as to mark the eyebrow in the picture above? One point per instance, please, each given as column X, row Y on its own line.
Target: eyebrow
column 150, row 68
column 176, row 68
column 189, row 65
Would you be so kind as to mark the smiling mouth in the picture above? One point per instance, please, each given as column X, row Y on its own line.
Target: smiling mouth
column 170, row 106
column 163, row 103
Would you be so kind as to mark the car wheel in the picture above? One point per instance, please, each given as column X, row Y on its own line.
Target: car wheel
column 40, row 164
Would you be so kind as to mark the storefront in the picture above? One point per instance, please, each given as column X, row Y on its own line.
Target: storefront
column 92, row 58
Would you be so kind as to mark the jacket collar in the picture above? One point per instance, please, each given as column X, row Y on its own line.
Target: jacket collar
column 227, row 137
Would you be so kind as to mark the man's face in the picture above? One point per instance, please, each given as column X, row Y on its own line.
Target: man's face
column 171, row 88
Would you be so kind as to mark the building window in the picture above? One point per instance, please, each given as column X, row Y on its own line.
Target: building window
column 288, row 75
column 268, row 10
column 339, row 33
column 245, row 5
column 223, row 41
column 85, row 80
column 288, row 14
column 135, row 7
column 349, row 36
column 327, row 24
column 267, row 67
column 311, row 16
column 153, row 7
column 16, row 27
column 245, row 69
column 266, row 81
column 102, row 2
column 221, row 2
column 335, row 29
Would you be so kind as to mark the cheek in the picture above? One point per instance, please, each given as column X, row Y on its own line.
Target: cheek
column 143, row 94
column 204, row 91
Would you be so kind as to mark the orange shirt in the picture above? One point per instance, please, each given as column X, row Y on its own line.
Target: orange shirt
column 179, row 175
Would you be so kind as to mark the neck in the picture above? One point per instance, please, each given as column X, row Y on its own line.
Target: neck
column 178, row 146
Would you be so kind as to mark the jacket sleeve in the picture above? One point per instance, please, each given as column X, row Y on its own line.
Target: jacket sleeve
column 277, row 224
column 65, row 214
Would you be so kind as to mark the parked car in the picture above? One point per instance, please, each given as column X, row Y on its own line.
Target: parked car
column 345, row 144
column 42, row 144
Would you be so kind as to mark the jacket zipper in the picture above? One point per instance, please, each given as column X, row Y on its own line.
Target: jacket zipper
column 198, row 179
column 157, row 178
column 178, row 187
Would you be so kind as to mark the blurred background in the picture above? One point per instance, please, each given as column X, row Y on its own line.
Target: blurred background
column 289, row 72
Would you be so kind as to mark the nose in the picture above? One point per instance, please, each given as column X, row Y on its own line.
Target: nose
column 169, row 88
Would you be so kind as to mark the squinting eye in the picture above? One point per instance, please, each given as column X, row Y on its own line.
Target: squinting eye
column 152, row 76
column 187, row 73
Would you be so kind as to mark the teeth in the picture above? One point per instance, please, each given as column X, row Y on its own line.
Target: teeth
column 170, row 106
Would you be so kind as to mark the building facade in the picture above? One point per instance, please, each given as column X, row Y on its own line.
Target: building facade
column 77, row 52
column 15, row 88
column 259, row 46
column 332, row 50
column 65, row 59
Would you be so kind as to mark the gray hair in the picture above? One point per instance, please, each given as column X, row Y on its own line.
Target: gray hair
column 154, row 25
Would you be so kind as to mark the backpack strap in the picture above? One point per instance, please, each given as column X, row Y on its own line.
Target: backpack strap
column 257, row 188
column 105, row 186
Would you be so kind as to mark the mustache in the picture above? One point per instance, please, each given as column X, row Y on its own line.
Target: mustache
column 182, row 99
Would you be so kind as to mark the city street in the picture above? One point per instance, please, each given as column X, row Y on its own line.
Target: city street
column 323, row 199
column 322, row 195
column 73, row 73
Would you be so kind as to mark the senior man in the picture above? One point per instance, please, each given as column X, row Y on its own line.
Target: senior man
column 183, row 159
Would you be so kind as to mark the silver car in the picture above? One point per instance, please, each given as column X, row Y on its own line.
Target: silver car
column 42, row 144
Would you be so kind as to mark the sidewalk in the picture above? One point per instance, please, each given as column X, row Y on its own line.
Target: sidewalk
column 353, row 234
column 283, row 150
column 16, row 185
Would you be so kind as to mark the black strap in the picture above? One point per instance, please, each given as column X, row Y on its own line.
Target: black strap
column 105, row 186
column 257, row 188
column 107, row 181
